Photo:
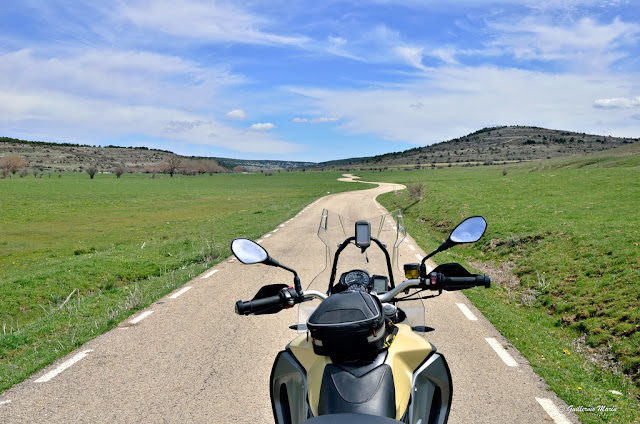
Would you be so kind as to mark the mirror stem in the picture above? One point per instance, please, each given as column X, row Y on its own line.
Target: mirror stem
column 423, row 267
column 296, row 279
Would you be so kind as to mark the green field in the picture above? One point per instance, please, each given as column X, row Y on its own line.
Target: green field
column 568, row 231
column 77, row 256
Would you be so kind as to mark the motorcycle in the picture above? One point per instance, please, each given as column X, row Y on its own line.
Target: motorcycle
column 360, row 357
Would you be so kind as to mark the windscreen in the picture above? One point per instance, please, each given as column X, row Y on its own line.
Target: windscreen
column 333, row 230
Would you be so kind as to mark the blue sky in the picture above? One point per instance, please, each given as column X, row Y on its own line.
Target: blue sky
column 313, row 81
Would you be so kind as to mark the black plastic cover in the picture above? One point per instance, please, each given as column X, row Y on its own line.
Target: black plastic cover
column 371, row 393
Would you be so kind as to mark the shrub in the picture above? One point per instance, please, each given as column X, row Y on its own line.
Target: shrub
column 92, row 171
column 12, row 164
column 120, row 170
column 415, row 191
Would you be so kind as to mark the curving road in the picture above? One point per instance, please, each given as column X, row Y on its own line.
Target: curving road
column 189, row 358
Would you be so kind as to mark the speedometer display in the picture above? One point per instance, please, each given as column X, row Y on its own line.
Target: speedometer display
column 354, row 280
column 356, row 277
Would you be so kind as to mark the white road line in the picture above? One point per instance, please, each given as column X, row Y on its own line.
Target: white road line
column 140, row 317
column 502, row 353
column 411, row 247
column 418, row 256
column 553, row 411
column 267, row 235
column 48, row 376
column 180, row 293
column 467, row 312
column 275, row 231
column 282, row 225
column 259, row 241
column 210, row 273
column 5, row 402
column 406, row 240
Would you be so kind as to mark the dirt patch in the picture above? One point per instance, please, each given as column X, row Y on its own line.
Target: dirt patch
column 502, row 277
column 501, row 274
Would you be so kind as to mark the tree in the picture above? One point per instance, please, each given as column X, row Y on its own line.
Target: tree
column 12, row 164
column 120, row 169
column 92, row 170
column 173, row 164
column 213, row 167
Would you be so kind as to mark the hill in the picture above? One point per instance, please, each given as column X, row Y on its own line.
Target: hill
column 506, row 144
column 67, row 157
column 502, row 145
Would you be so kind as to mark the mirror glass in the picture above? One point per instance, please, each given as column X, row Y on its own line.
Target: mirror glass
column 469, row 230
column 248, row 252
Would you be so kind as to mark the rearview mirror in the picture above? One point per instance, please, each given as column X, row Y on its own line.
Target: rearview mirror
column 469, row 230
column 248, row 251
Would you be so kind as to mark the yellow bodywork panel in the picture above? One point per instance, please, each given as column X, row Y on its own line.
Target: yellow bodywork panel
column 302, row 349
column 405, row 354
column 407, row 351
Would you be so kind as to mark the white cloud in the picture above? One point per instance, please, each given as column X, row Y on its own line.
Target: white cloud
column 320, row 120
column 133, row 77
column 452, row 102
column 203, row 20
column 109, row 94
column 262, row 126
column 447, row 55
column 181, row 126
column 411, row 55
column 65, row 117
column 237, row 114
column 583, row 43
column 617, row 103
column 323, row 120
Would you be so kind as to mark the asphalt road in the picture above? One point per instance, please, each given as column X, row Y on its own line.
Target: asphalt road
column 189, row 358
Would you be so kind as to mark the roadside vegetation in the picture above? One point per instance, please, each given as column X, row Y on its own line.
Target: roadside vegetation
column 80, row 255
column 563, row 248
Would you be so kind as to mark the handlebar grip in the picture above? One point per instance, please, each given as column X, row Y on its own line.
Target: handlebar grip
column 250, row 306
column 477, row 280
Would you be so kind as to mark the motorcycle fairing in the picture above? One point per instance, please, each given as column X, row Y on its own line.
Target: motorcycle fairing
column 431, row 392
column 288, row 390
column 408, row 356
column 407, row 352
column 302, row 349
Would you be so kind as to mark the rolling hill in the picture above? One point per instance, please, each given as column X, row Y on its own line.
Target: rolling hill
column 505, row 144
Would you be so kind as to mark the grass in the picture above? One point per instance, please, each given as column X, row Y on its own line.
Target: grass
column 77, row 256
column 568, row 231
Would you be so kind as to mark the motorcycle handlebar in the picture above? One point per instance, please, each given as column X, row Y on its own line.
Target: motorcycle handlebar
column 461, row 282
column 250, row 306
column 435, row 281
